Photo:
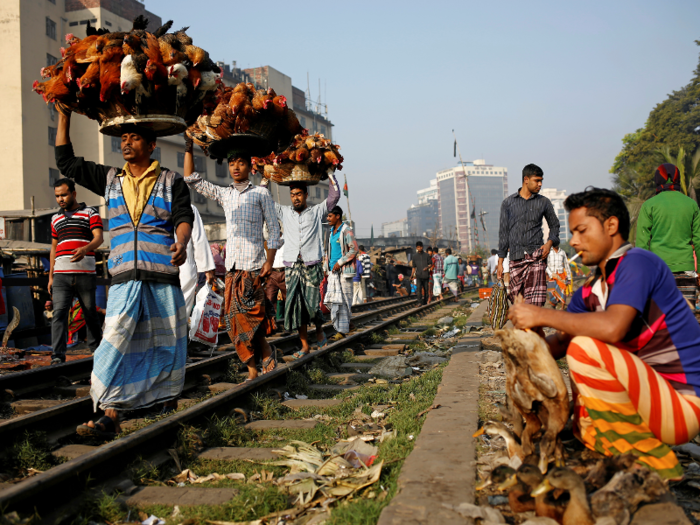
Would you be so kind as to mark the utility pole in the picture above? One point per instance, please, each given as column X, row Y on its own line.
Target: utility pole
column 466, row 179
column 347, row 196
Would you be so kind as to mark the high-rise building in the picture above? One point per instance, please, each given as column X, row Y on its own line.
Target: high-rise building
column 395, row 228
column 32, row 37
column 428, row 194
column 469, row 201
column 557, row 197
column 423, row 219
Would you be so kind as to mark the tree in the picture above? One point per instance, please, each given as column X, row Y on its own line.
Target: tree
column 634, row 188
column 688, row 167
column 674, row 123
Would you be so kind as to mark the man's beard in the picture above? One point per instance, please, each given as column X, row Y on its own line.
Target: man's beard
column 299, row 207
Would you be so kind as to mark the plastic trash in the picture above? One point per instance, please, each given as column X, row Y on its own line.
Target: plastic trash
column 205, row 317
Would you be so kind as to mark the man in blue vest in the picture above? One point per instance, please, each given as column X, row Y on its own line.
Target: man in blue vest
column 141, row 360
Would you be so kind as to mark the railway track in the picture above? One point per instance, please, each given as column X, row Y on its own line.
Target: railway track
column 60, row 484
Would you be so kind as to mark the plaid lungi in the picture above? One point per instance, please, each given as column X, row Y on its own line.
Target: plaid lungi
column 621, row 404
column 141, row 359
column 528, row 277
column 339, row 299
column 303, row 303
column 246, row 311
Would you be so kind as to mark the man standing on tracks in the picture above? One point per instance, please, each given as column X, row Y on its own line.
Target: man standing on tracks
column 669, row 226
column 360, row 289
column 559, row 275
column 438, row 266
column 141, row 360
column 451, row 270
column 248, row 315
column 303, row 260
column 76, row 233
column 630, row 341
column 421, row 273
column 492, row 264
column 521, row 234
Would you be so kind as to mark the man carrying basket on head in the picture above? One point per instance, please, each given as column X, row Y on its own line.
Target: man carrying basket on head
column 248, row 314
column 303, row 260
column 141, row 359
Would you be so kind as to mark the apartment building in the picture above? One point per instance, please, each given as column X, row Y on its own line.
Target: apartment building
column 557, row 197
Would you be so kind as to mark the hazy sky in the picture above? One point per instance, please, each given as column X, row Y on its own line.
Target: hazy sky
column 554, row 83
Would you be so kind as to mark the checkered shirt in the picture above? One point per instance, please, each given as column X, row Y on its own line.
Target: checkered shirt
column 437, row 264
column 245, row 213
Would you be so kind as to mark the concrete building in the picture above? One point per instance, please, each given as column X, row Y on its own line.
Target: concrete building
column 428, row 194
column 395, row 228
column 469, row 203
column 557, row 197
column 423, row 219
column 32, row 36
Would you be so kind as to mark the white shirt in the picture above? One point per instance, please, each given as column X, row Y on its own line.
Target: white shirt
column 199, row 260
column 558, row 262
column 492, row 263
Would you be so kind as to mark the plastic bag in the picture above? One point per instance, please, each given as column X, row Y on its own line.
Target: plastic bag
column 205, row 317
column 498, row 305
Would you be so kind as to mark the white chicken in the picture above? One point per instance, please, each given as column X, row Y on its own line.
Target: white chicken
column 131, row 80
column 176, row 76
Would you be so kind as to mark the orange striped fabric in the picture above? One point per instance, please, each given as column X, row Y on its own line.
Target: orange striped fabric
column 623, row 405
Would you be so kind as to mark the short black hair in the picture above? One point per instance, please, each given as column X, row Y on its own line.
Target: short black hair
column 145, row 133
column 448, row 251
column 361, row 247
column 429, row 249
column 532, row 170
column 65, row 182
column 494, row 252
column 419, row 243
column 337, row 210
column 459, row 258
column 298, row 185
column 601, row 204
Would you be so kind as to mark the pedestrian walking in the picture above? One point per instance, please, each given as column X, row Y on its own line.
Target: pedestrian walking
column 451, row 270
column 366, row 262
column 199, row 260
column 492, row 264
column 420, row 263
column 630, row 342
column 275, row 286
column 76, row 232
column 303, row 261
column 391, row 274
column 247, row 312
column 520, row 234
column 461, row 269
column 141, row 359
column 473, row 273
column 357, row 283
column 559, row 275
column 669, row 226
column 341, row 266
column 438, row 266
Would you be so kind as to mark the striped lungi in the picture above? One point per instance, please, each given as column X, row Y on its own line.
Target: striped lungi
column 246, row 310
column 339, row 299
column 303, row 303
column 623, row 405
column 141, row 359
column 528, row 277
column 437, row 284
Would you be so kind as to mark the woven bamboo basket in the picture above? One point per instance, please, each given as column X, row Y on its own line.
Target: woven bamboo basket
column 162, row 125
column 285, row 174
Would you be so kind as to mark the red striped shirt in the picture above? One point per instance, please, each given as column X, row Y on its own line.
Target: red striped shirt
column 73, row 230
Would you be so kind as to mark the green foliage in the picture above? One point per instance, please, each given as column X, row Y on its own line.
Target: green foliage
column 30, row 451
column 268, row 407
column 142, row 472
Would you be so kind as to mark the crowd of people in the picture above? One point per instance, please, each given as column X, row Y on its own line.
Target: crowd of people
column 628, row 333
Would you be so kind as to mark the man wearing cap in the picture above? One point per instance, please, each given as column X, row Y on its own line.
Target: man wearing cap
column 303, row 260
column 247, row 312
column 141, row 360
column 669, row 226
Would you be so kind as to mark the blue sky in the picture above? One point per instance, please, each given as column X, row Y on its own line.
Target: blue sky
column 554, row 83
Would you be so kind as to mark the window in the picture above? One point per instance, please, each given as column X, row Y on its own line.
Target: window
column 221, row 170
column 50, row 60
column 116, row 145
column 53, row 2
column 199, row 198
column 73, row 24
column 52, row 135
column 180, row 159
column 325, row 194
column 156, row 154
column 50, row 28
column 54, row 175
column 318, row 193
column 302, row 120
column 52, row 111
column 108, row 24
column 200, row 164
column 323, row 130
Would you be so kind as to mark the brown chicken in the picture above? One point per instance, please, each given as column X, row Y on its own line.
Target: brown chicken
column 195, row 54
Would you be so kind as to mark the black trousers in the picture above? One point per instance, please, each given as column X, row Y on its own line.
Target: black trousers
column 65, row 288
column 423, row 290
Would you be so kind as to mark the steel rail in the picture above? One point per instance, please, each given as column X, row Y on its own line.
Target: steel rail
column 57, row 485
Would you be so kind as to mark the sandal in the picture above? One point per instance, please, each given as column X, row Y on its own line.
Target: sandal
column 338, row 336
column 272, row 360
column 108, row 427
column 320, row 344
column 299, row 354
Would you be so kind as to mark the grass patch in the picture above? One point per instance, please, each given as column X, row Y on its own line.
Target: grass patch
column 104, row 508
column 430, row 332
column 487, row 411
column 32, row 451
column 319, row 377
column 393, row 330
column 378, row 337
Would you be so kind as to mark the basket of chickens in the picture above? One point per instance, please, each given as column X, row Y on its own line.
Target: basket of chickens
column 159, row 80
column 261, row 123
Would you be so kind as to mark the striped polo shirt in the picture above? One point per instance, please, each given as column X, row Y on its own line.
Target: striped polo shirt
column 72, row 230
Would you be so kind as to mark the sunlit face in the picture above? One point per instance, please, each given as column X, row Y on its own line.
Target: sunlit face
column 591, row 237
column 64, row 197
column 135, row 148
column 298, row 197
column 239, row 169
column 419, row 249
column 533, row 184
column 333, row 219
